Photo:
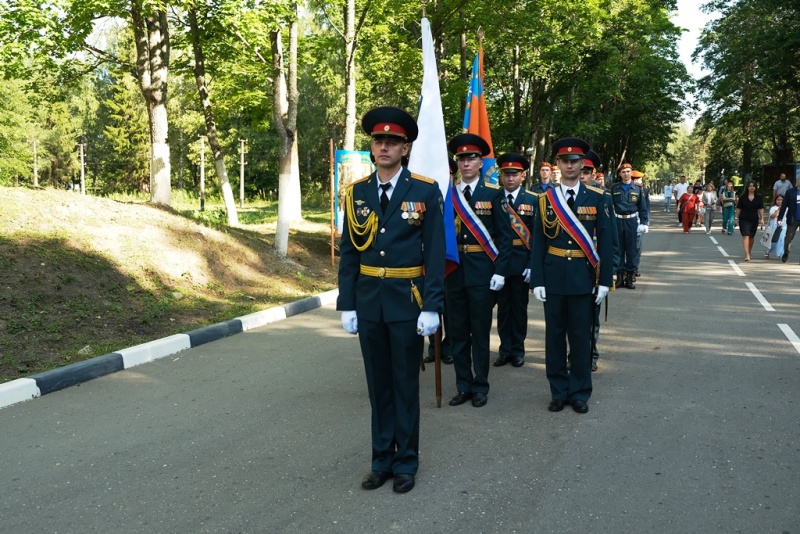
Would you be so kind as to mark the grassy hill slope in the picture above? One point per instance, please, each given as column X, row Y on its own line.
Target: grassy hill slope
column 82, row 276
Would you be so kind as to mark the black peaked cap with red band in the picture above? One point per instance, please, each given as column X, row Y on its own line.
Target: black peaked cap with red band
column 468, row 143
column 570, row 148
column 591, row 159
column 513, row 161
column 390, row 122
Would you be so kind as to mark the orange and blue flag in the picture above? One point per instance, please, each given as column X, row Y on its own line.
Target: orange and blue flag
column 476, row 119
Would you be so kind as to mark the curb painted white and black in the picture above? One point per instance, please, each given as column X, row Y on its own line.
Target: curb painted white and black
column 23, row 389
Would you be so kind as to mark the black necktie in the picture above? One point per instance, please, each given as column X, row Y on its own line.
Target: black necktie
column 385, row 197
column 510, row 200
column 467, row 193
column 571, row 199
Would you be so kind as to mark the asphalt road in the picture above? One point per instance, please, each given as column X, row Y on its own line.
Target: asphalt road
column 693, row 426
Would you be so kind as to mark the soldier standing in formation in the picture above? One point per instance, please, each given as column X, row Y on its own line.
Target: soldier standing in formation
column 391, row 289
column 631, row 213
column 638, row 179
column 484, row 238
column 569, row 275
column 512, row 300
column 545, row 178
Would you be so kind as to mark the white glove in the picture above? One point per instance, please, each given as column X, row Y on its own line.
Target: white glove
column 641, row 229
column 427, row 323
column 526, row 275
column 646, row 228
column 497, row 282
column 538, row 293
column 602, row 291
column 350, row 322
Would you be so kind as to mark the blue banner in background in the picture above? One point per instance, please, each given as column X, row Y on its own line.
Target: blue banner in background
column 349, row 166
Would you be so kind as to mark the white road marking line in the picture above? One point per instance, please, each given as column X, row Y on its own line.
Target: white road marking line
column 723, row 251
column 736, row 268
column 715, row 242
column 759, row 296
column 791, row 336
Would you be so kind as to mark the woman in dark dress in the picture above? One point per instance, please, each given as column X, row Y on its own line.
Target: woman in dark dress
column 750, row 213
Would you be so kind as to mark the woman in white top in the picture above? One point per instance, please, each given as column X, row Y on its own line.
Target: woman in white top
column 776, row 246
column 710, row 203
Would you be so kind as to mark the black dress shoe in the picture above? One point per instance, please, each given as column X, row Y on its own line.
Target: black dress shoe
column 556, row 405
column 375, row 480
column 459, row 399
column 785, row 257
column 500, row 361
column 580, row 406
column 518, row 362
column 594, row 366
column 479, row 399
column 403, row 483
column 430, row 358
column 446, row 358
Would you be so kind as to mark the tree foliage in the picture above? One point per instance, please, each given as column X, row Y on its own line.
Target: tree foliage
column 606, row 70
column 752, row 91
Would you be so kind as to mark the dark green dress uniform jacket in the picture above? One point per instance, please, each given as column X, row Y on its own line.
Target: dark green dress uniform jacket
column 563, row 276
column 397, row 243
column 525, row 205
column 477, row 266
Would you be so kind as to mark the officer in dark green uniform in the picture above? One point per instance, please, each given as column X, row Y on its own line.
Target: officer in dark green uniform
column 569, row 274
column 391, row 289
column 512, row 300
column 483, row 235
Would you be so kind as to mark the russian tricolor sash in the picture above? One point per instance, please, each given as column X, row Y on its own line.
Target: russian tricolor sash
column 570, row 223
column 473, row 223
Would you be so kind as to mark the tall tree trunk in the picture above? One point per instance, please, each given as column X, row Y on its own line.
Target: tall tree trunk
column 211, row 126
column 350, row 75
column 151, row 33
column 284, row 110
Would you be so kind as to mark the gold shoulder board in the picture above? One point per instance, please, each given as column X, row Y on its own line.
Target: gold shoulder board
column 364, row 179
column 423, row 178
column 595, row 189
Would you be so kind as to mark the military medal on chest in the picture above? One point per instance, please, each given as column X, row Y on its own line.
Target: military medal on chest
column 525, row 209
column 587, row 213
column 483, row 208
column 413, row 212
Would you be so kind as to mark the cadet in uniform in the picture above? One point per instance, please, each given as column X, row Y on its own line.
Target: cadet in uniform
column 637, row 177
column 631, row 213
column 484, row 236
column 512, row 300
column 569, row 275
column 545, row 178
column 391, row 289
